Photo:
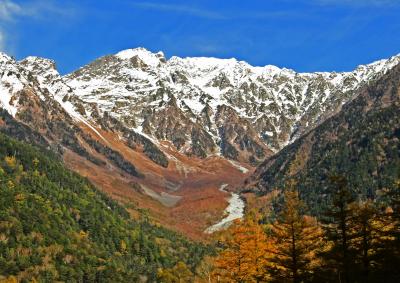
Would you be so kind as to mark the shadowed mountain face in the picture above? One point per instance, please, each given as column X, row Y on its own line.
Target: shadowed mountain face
column 361, row 142
column 142, row 127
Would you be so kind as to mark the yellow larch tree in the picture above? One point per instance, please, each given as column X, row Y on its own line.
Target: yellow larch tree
column 247, row 253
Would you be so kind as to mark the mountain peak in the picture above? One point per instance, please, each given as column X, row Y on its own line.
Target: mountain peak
column 39, row 62
column 5, row 58
column 148, row 57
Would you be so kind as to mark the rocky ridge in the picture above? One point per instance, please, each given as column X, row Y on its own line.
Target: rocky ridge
column 203, row 106
column 359, row 143
column 207, row 106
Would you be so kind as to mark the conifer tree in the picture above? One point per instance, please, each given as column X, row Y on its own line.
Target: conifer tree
column 338, row 259
column 299, row 238
column 370, row 231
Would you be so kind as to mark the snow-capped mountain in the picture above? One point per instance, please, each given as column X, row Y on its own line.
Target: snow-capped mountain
column 208, row 105
column 41, row 109
column 360, row 143
column 165, row 134
column 204, row 106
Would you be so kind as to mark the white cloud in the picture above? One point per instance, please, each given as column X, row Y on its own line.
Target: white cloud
column 12, row 12
column 183, row 9
column 8, row 10
column 217, row 15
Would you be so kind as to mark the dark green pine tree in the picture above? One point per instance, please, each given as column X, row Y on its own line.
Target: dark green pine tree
column 337, row 221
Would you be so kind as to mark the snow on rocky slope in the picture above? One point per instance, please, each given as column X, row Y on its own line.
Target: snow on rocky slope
column 204, row 106
column 216, row 105
column 41, row 109
column 36, row 74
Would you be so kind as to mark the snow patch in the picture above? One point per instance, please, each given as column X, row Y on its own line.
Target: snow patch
column 5, row 101
column 269, row 133
column 146, row 56
column 69, row 108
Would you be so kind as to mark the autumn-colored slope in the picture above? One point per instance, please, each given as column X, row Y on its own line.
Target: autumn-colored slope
column 191, row 182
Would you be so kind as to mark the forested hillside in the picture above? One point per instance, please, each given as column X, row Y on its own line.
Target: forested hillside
column 55, row 226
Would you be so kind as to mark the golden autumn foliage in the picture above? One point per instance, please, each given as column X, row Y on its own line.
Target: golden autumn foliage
column 11, row 279
column 359, row 241
column 11, row 161
column 285, row 251
column 247, row 254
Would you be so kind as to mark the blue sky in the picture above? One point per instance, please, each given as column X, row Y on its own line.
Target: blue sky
column 305, row 35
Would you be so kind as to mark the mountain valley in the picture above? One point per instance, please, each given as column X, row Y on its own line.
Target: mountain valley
column 161, row 136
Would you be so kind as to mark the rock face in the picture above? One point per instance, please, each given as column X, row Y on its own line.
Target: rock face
column 361, row 143
column 203, row 106
column 208, row 106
